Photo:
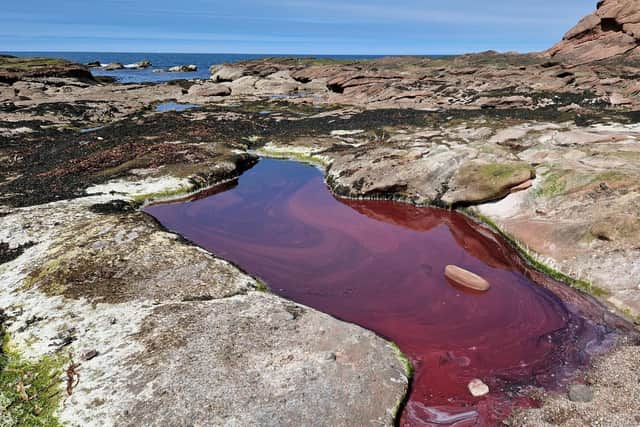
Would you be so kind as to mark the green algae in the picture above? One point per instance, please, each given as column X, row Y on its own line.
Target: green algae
column 30, row 391
column 301, row 157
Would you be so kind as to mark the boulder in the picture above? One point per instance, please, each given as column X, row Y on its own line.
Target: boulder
column 225, row 73
column 114, row 66
column 612, row 30
column 145, row 63
column 94, row 64
column 209, row 89
column 481, row 181
column 465, row 278
column 183, row 69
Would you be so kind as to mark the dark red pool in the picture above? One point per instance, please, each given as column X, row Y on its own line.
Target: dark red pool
column 380, row 264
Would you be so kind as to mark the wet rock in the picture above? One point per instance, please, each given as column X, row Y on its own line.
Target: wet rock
column 183, row 69
column 114, row 66
column 580, row 393
column 477, row 388
column 145, row 63
column 94, row 64
column 465, row 278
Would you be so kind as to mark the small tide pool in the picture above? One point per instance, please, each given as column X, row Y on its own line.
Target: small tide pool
column 174, row 106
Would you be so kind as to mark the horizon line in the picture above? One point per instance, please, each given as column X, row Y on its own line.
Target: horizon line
column 274, row 53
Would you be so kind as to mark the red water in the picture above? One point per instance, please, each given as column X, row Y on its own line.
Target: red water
column 380, row 265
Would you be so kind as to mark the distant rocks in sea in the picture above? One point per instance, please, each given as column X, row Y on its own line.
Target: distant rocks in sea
column 145, row 63
column 183, row 69
column 189, row 68
column 114, row 66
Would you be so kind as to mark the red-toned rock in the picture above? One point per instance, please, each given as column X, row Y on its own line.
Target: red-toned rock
column 521, row 187
column 466, row 278
column 612, row 30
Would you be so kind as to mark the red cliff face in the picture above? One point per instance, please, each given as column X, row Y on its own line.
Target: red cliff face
column 612, row 30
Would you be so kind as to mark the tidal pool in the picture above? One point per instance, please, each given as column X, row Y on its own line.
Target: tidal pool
column 380, row 264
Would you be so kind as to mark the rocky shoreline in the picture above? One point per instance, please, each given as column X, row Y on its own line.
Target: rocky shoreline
column 545, row 148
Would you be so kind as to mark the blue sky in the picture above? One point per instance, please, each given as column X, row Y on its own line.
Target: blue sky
column 287, row 26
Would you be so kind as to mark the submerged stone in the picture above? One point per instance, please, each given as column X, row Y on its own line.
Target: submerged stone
column 465, row 278
column 477, row 388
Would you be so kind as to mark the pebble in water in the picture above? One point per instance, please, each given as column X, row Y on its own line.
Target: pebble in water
column 466, row 278
column 477, row 388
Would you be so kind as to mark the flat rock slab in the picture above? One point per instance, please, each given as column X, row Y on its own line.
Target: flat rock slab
column 256, row 359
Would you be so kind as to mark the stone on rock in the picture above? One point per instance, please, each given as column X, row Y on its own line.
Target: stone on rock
column 465, row 278
column 477, row 388
column 580, row 393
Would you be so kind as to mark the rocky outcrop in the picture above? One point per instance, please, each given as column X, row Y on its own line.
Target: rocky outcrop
column 612, row 30
column 13, row 69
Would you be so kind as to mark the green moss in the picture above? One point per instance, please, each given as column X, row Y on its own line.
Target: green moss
column 261, row 286
column 501, row 171
column 554, row 183
column 30, row 391
column 50, row 271
column 161, row 195
column 530, row 258
column 26, row 63
column 294, row 155
column 406, row 363
column 408, row 372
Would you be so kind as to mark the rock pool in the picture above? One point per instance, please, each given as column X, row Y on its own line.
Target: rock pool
column 380, row 264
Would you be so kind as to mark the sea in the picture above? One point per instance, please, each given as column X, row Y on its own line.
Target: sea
column 162, row 61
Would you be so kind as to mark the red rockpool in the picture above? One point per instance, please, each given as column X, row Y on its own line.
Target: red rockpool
column 380, row 264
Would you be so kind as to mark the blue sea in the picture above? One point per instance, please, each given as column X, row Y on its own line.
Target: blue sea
column 163, row 61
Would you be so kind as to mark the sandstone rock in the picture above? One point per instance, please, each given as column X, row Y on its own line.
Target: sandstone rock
column 209, row 89
column 7, row 93
column 466, row 278
column 261, row 359
column 480, row 181
column 521, row 187
column 14, row 69
column 613, row 29
column 225, row 73
column 503, row 102
column 477, row 388
column 114, row 66
column 619, row 99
